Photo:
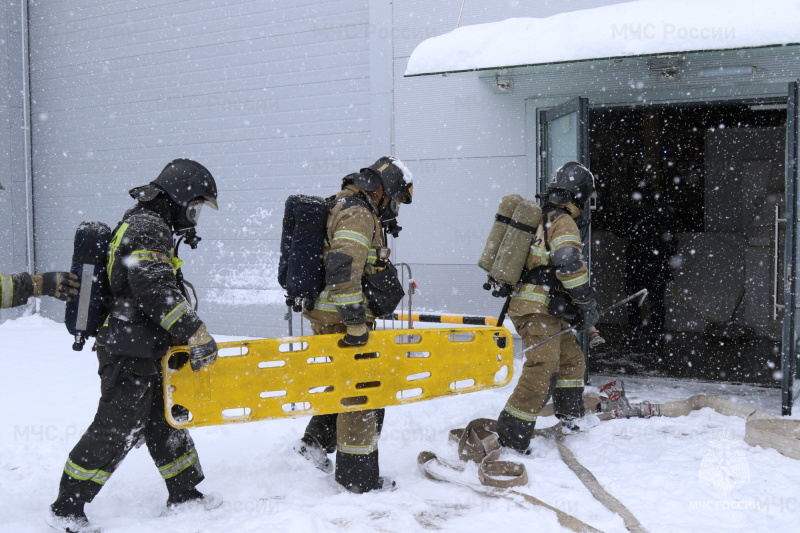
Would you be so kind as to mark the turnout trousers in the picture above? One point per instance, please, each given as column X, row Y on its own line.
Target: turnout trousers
column 130, row 410
column 557, row 367
column 354, row 436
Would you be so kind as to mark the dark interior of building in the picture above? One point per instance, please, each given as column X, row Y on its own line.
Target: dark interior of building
column 669, row 148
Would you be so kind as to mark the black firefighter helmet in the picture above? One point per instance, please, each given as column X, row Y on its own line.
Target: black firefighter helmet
column 389, row 172
column 572, row 183
column 188, row 185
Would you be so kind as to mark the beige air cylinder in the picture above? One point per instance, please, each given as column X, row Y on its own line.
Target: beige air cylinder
column 514, row 248
column 501, row 219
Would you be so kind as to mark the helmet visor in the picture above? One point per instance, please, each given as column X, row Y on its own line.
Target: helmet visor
column 193, row 210
column 404, row 196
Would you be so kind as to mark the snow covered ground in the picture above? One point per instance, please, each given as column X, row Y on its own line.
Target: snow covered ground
column 655, row 467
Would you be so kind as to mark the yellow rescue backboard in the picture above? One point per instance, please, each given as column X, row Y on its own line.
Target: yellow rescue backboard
column 290, row 377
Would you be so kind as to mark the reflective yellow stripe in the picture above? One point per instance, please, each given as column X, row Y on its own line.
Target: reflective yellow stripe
column 178, row 311
column 323, row 302
column 357, row 450
column 148, row 255
column 74, row 471
column 565, row 239
column 522, row 415
column 114, row 246
column 352, row 236
column 576, row 282
column 345, row 299
column 179, row 465
column 372, row 257
column 541, row 253
column 6, row 291
column 569, row 383
column 529, row 291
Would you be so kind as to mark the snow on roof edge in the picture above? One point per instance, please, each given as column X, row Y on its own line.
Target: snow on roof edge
column 631, row 29
column 588, row 59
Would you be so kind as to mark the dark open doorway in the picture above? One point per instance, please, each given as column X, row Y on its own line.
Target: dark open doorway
column 717, row 173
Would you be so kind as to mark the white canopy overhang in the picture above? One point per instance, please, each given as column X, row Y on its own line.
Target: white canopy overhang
column 640, row 28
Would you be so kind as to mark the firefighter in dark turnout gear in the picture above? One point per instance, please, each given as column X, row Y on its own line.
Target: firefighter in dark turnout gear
column 149, row 313
column 355, row 237
column 15, row 289
column 554, row 293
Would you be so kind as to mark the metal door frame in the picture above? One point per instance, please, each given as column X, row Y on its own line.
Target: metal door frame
column 789, row 344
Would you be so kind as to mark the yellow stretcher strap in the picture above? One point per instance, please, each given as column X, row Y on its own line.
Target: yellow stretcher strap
column 290, row 377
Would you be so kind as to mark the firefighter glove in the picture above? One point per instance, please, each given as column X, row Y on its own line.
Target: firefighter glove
column 202, row 349
column 61, row 285
column 356, row 336
column 588, row 315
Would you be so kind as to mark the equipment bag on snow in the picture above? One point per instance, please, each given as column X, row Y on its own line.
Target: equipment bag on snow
column 383, row 290
column 300, row 269
column 85, row 314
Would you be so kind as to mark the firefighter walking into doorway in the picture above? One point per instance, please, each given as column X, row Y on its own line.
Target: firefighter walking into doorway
column 554, row 293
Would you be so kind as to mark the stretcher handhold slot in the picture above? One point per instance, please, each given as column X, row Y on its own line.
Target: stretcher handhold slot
column 420, row 375
column 462, row 384
column 462, row 337
column 233, row 351
column 296, row 406
column 319, row 360
column 368, row 384
column 236, row 412
column 273, row 394
column 318, row 390
column 177, row 360
column 368, row 355
column 409, row 393
column 181, row 414
column 408, row 339
column 354, row 400
column 501, row 375
column 271, row 364
column 293, row 347
column 418, row 354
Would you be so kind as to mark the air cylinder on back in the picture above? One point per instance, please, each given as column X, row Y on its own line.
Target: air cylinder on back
column 307, row 218
column 513, row 251
column 504, row 212
column 85, row 314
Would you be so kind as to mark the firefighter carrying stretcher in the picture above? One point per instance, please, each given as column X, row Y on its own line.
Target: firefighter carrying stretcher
column 355, row 251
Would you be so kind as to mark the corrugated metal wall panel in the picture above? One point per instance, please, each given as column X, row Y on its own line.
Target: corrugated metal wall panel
column 273, row 97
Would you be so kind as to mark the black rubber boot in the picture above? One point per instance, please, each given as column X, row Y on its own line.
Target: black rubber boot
column 568, row 402
column 514, row 432
column 193, row 498
column 67, row 514
column 358, row 473
column 321, row 431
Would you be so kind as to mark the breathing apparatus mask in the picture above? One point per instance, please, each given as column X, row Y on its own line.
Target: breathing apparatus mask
column 389, row 218
column 185, row 220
